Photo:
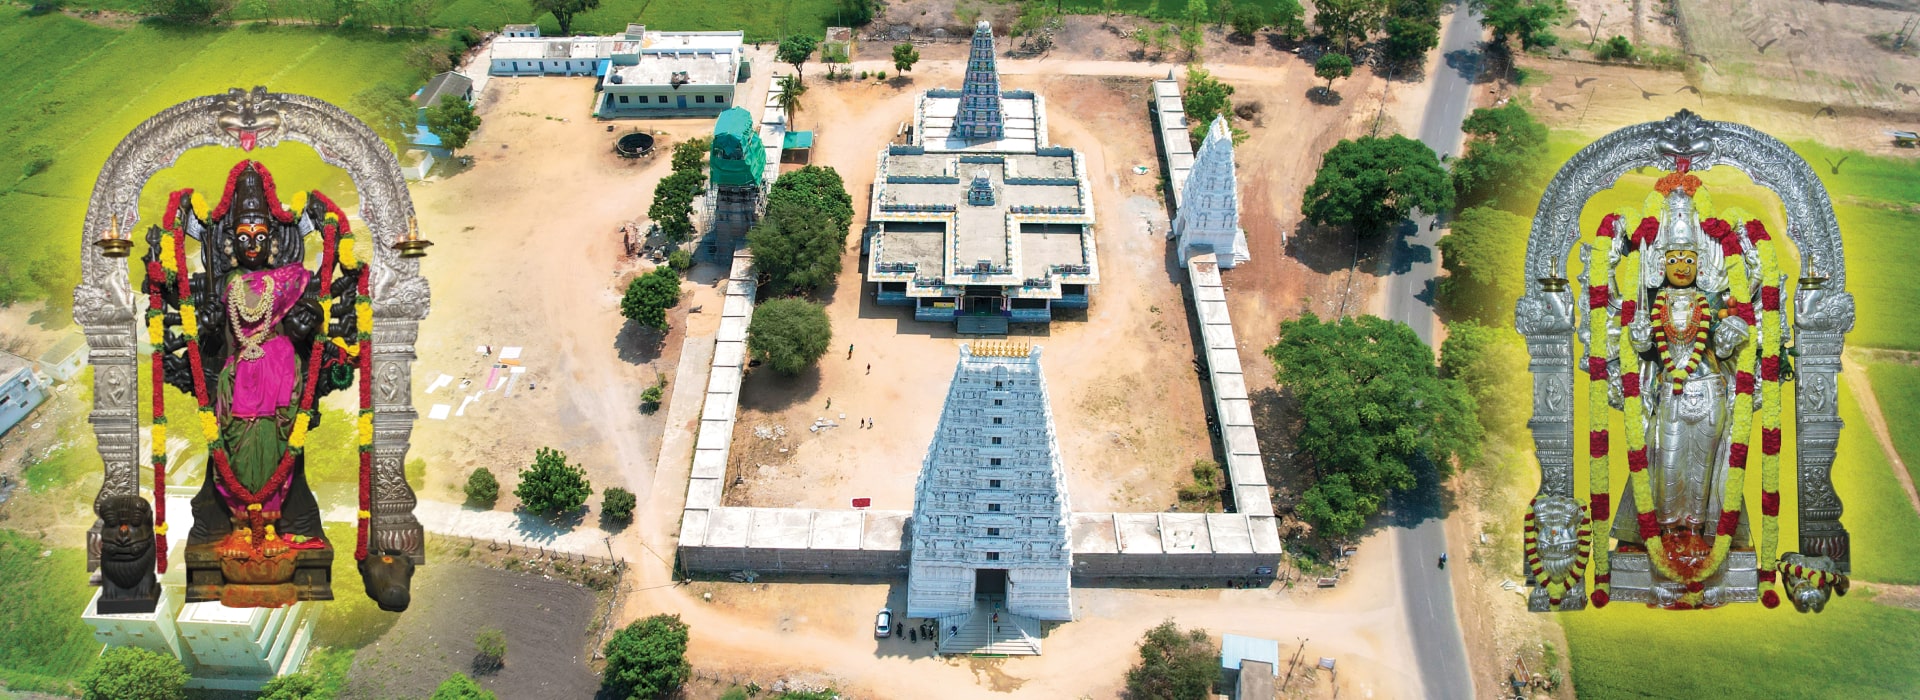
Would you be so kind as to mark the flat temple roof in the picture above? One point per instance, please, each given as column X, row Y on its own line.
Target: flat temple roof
column 658, row 69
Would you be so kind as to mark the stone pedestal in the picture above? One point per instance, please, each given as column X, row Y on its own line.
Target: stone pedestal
column 1635, row 580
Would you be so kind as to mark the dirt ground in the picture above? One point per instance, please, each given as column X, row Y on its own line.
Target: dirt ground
column 529, row 255
column 1804, row 52
column 545, row 621
column 1101, row 366
column 1644, row 22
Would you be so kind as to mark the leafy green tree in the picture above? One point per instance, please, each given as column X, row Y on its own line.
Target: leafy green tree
column 1369, row 182
column 791, row 90
column 797, row 248
column 789, row 334
column 1332, row 66
column 454, row 121
column 388, row 109
column 189, row 11
column 904, row 56
column 459, row 687
column 1205, row 98
column 1247, row 21
column 818, row 188
column 1371, row 403
column 1531, row 21
column 679, row 260
column 1410, row 38
column 1288, row 18
column 1347, row 22
column 293, row 686
column 1197, row 13
column 1505, row 157
column 1174, row 665
column 482, row 488
column 617, row 505
column 489, row 650
column 1191, row 38
column 856, row 13
column 1618, row 49
column 647, row 659
column 1492, row 364
column 1483, row 253
column 795, row 50
column 564, row 10
column 551, row 486
column 132, row 673
column 672, row 206
column 649, row 296
column 691, row 156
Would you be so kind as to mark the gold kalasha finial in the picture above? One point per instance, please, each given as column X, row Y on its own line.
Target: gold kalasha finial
column 1001, row 348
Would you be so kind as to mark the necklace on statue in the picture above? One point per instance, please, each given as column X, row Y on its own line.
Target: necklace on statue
column 250, row 311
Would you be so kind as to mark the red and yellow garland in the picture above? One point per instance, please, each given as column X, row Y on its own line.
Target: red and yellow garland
column 1770, row 378
column 337, row 244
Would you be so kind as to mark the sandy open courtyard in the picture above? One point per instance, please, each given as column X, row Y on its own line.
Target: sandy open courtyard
column 1125, row 398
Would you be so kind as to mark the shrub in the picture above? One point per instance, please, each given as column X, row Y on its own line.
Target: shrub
column 550, row 485
column 459, row 687
column 482, row 487
column 1616, row 49
column 650, row 397
column 882, row 75
column 1174, row 665
column 649, row 296
column 132, row 673
column 789, row 334
column 617, row 505
column 1206, row 482
column 679, row 260
column 647, row 659
column 293, row 686
column 39, row 159
column 863, row 75
column 489, row 650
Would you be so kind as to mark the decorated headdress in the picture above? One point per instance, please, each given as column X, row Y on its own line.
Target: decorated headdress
column 1680, row 218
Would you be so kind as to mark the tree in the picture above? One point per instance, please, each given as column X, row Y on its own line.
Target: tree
column 856, row 13
column 1205, row 98
column 1174, row 665
column 795, row 50
column 133, row 673
column 489, row 650
column 1247, row 21
column 454, row 121
column 459, row 687
column 564, row 10
column 791, row 90
column 1492, row 364
column 904, row 56
column 789, row 334
column 388, row 109
column 1410, row 38
column 189, row 11
column 482, row 488
column 818, row 188
column 1530, row 20
column 649, row 296
column 617, row 505
column 691, row 155
column 672, row 207
column 1347, row 22
column 1483, row 253
column 1618, row 48
column 1506, row 149
column 1371, row 404
column 647, row 659
column 1197, row 13
column 1288, row 18
column 293, row 686
column 1332, row 66
column 552, row 486
column 1369, row 182
column 797, row 248
column 1191, row 38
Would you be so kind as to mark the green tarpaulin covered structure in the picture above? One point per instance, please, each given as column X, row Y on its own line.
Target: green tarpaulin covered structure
column 738, row 159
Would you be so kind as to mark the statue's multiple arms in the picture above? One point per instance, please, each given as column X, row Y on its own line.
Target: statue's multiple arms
column 1728, row 335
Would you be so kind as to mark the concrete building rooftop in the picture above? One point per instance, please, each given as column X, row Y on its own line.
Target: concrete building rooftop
column 1019, row 110
column 983, row 232
column 10, row 363
column 654, row 41
column 659, row 69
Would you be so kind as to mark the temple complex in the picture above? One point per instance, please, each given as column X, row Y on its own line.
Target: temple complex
column 1208, row 222
column 976, row 219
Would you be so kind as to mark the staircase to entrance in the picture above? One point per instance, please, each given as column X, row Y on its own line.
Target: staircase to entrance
column 989, row 630
column 981, row 324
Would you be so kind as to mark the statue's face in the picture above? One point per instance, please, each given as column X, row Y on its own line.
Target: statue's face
column 388, row 577
column 250, row 244
column 1558, row 520
column 1683, row 266
column 126, row 540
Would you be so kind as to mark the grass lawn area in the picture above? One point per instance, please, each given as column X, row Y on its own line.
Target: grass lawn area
column 79, row 88
column 46, row 645
column 1897, row 386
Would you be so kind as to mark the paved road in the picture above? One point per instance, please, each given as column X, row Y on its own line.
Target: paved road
column 1412, row 266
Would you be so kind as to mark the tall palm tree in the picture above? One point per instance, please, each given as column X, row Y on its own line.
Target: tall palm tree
column 790, row 91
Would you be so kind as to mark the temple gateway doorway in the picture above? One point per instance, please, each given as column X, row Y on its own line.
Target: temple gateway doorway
column 990, row 582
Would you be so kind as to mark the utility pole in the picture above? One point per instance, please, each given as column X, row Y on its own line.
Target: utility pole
column 1293, row 662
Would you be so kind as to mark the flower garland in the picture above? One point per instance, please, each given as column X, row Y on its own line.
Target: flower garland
column 1598, row 460
column 209, row 423
column 1536, row 565
column 1819, row 577
column 1770, row 377
column 1662, row 337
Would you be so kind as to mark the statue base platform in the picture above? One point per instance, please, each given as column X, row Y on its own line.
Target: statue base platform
column 312, row 580
column 1635, row 580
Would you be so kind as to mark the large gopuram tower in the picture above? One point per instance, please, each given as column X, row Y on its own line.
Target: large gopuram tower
column 990, row 510
column 1210, row 202
column 980, row 117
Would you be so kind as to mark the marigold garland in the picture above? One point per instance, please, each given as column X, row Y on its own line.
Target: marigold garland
column 1770, row 391
column 1599, row 461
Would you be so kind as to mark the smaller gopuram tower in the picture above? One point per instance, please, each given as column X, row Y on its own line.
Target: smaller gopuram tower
column 990, row 510
column 1210, row 202
column 980, row 116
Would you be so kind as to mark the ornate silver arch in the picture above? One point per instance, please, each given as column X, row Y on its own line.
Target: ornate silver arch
column 104, row 303
column 1544, row 313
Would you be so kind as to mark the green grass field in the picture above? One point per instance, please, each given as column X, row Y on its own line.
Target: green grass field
column 46, row 643
column 1897, row 386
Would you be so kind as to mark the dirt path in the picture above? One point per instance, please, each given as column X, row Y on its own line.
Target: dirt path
column 1856, row 374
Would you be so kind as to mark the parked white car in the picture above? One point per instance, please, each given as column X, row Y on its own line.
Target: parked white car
column 883, row 624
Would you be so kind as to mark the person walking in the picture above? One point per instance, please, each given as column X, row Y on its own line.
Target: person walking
column 869, row 368
column 849, row 351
